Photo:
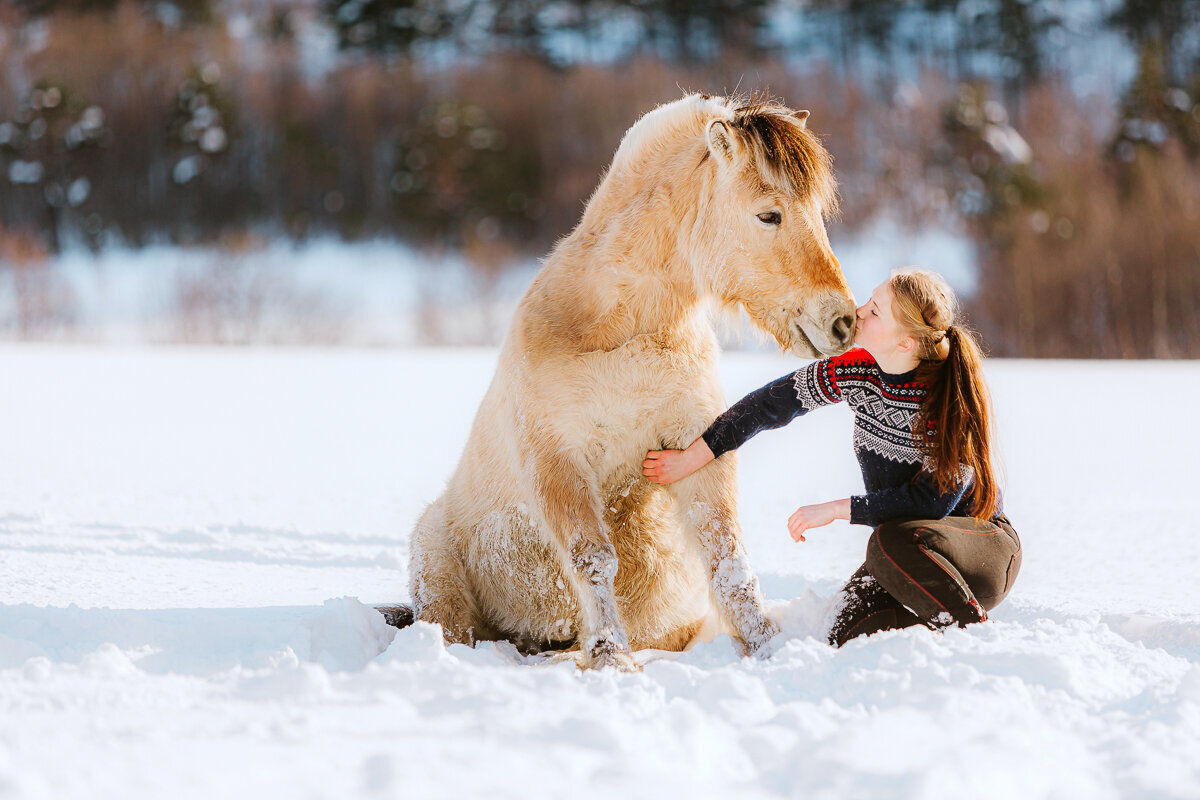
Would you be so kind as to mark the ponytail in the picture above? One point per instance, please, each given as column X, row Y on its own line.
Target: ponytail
column 953, row 426
column 956, row 421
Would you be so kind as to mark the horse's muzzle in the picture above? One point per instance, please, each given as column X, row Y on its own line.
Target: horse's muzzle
column 842, row 332
column 830, row 328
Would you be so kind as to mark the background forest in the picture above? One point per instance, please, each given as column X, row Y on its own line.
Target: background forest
column 1060, row 140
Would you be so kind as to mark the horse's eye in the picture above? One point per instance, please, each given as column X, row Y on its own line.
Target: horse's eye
column 770, row 218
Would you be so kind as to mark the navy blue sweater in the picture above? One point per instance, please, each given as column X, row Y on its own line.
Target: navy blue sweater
column 885, row 406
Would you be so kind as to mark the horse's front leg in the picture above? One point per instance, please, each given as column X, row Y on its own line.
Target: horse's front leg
column 570, row 505
column 707, row 501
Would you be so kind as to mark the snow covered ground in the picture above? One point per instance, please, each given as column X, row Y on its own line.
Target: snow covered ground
column 191, row 539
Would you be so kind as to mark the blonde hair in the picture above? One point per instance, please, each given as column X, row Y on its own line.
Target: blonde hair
column 954, row 423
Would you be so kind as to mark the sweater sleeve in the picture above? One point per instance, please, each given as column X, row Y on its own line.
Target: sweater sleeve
column 918, row 498
column 773, row 406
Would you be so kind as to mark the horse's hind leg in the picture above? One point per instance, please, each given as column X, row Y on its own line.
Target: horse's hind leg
column 437, row 580
column 397, row 616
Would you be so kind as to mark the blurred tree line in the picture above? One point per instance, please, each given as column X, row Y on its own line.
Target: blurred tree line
column 481, row 128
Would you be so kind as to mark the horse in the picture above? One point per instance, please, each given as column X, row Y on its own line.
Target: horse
column 547, row 535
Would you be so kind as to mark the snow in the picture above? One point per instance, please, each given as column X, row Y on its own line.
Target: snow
column 191, row 541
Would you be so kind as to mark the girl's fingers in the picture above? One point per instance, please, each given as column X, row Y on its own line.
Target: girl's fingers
column 797, row 525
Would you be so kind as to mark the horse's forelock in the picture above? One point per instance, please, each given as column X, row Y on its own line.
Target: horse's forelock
column 788, row 157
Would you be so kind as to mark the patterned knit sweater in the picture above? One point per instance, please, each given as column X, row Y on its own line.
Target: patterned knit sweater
column 885, row 406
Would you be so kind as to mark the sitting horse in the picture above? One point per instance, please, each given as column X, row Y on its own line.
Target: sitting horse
column 547, row 533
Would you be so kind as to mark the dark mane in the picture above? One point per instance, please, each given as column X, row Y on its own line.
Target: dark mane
column 789, row 158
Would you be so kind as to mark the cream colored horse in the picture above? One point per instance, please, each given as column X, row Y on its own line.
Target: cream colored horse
column 547, row 533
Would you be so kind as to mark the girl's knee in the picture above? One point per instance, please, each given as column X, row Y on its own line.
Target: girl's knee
column 896, row 539
column 919, row 580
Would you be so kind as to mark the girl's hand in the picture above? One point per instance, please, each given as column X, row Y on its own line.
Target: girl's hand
column 667, row 466
column 816, row 516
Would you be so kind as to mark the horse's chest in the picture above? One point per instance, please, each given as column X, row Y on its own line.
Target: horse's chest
column 639, row 402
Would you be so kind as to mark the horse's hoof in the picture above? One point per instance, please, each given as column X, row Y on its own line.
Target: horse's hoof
column 397, row 616
column 606, row 653
column 622, row 662
column 760, row 643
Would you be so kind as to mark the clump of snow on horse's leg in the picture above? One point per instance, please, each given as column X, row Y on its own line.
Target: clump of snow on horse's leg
column 734, row 585
column 605, row 642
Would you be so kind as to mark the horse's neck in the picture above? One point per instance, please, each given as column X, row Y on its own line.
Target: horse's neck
column 625, row 271
column 622, row 274
column 601, row 305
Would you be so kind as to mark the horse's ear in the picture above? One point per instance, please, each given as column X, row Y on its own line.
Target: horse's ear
column 803, row 117
column 721, row 141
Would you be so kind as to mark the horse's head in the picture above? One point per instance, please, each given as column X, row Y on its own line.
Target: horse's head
column 760, row 241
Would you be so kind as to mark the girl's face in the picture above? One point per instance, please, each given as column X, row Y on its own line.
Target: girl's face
column 876, row 330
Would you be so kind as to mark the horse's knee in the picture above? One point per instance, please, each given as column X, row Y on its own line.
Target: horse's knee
column 594, row 561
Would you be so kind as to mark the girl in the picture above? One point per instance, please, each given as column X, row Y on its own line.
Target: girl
column 942, row 551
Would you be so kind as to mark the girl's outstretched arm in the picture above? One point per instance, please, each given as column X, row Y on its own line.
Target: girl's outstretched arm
column 668, row 466
column 770, row 406
column 808, row 517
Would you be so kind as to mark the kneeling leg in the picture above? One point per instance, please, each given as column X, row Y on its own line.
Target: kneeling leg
column 921, row 578
column 865, row 607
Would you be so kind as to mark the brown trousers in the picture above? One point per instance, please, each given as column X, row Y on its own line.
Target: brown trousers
column 935, row 573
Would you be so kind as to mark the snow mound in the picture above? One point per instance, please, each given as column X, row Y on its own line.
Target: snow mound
column 1035, row 707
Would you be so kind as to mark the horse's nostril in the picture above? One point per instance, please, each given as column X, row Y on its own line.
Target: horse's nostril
column 843, row 329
